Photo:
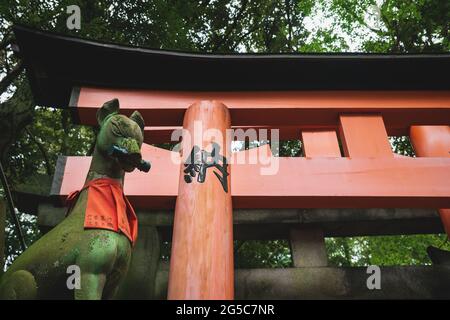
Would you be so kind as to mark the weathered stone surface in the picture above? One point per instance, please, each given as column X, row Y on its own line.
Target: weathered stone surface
column 405, row 282
column 308, row 247
column 32, row 192
column 37, row 185
column 49, row 216
column 253, row 224
column 336, row 222
column 140, row 280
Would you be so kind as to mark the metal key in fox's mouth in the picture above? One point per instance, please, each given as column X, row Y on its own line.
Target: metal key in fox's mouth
column 134, row 159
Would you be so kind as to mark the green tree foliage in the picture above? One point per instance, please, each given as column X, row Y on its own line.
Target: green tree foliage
column 31, row 234
column 32, row 137
column 383, row 250
column 52, row 133
column 393, row 26
column 262, row 254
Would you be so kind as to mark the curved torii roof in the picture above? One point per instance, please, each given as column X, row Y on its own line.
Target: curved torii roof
column 55, row 63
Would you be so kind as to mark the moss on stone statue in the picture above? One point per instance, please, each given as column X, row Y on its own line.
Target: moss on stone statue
column 102, row 256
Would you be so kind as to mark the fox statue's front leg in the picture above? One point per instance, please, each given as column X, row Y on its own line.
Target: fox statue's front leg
column 97, row 235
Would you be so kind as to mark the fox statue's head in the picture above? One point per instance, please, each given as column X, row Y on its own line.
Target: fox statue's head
column 120, row 138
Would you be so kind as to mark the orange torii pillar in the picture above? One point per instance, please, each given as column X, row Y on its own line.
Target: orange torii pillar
column 201, row 263
column 433, row 141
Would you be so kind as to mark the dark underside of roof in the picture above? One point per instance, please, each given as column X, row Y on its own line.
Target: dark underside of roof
column 56, row 63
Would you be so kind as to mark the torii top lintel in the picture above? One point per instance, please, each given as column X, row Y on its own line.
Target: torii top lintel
column 57, row 64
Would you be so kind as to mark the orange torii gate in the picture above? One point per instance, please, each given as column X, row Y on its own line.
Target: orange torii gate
column 342, row 116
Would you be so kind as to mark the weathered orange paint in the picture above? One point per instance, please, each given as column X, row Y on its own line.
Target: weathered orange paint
column 364, row 136
column 320, row 144
column 401, row 182
column 400, row 109
column 201, row 263
column 433, row 141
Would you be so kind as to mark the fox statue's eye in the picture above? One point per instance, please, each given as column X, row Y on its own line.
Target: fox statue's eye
column 115, row 128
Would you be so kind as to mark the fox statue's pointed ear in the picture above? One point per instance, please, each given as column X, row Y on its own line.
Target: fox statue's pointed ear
column 109, row 107
column 137, row 117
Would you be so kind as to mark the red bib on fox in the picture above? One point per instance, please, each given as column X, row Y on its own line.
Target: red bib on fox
column 107, row 208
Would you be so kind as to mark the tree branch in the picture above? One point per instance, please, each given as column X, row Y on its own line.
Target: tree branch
column 287, row 4
column 5, row 42
column 232, row 26
column 242, row 36
column 363, row 22
column 92, row 147
column 10, row 77
column 41, row 148
column 12, row 209
column 65, row 125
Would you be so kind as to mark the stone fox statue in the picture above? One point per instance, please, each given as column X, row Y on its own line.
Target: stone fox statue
column 97, row 235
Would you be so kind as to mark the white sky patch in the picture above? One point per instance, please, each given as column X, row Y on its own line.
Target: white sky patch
column 322, row 18
column 318, row 20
